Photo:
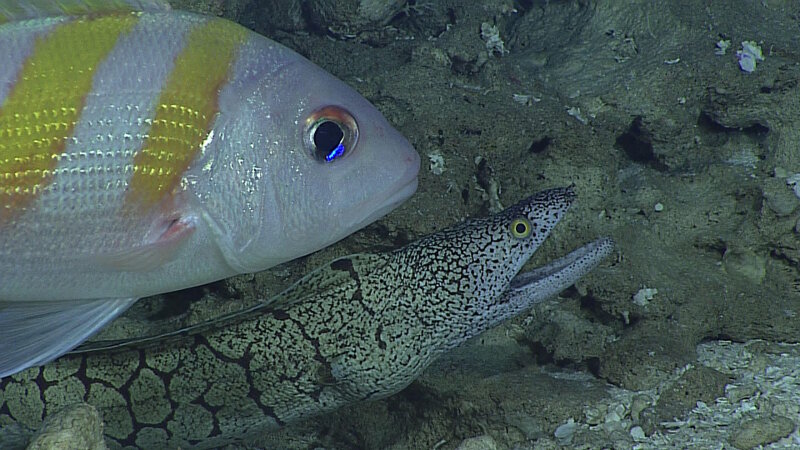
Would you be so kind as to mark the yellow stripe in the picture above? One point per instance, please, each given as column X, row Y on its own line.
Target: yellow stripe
column 186, row 110
column 40, row 112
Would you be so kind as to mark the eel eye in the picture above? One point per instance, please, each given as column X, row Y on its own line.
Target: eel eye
column 331, row 133
column 520, row 228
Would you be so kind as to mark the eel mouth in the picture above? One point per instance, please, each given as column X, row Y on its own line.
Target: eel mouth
column 568, row 268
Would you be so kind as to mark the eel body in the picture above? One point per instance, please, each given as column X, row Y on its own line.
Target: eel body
column 358, row 328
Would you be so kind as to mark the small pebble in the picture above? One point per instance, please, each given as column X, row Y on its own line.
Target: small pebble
column 748, row 55
column 644, row 295
column 637, row 433
column 565, row 431
column 735, row 394
column 483, row 442
column 639, row 403
column 761, row 431
column 780, row 172
column 437, row 162
column 75, row 427
column 722, row 47
column 596, row 414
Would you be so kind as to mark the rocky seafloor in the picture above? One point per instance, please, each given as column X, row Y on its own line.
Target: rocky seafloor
column 690, row 161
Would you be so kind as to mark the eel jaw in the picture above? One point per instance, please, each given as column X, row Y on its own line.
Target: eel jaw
column 534, row 286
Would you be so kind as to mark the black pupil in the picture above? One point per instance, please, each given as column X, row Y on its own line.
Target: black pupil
column 520, row 228
column 327, row 137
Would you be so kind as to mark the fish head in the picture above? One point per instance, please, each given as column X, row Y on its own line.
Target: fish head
column 437, row 292
column 328, row 164
column 494, row 251
column 495, row 248
column 483, row 256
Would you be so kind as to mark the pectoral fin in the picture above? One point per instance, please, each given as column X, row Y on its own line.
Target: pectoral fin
column 34, row 333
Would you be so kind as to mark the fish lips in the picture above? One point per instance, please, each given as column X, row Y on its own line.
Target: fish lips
column 395, row 195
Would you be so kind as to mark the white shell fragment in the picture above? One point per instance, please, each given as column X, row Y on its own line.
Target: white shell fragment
column 526, row 99
column 575, row 112
column 643, row 297
column 793, row 181
column 722, row 47
column 565, row 431
column 760, row 409
column 748, row 55
column 437, row 162
column 491, row 35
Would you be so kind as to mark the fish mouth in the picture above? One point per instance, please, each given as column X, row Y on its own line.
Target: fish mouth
column 572, row 266
column 398, row 193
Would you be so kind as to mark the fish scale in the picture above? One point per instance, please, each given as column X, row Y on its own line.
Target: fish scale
column 145, row 150
column 361, row 327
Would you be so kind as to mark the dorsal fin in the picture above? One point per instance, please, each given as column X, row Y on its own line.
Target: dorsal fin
column 327, row 277
column 11, row 10
column 341, row 271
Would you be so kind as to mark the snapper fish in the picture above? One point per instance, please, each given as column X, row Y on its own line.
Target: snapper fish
column 145, row 150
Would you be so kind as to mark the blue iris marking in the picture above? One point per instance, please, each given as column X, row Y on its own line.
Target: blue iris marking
column 335, row 153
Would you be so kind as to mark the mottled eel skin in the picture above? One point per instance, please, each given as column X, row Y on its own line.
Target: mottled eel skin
column 360, row 327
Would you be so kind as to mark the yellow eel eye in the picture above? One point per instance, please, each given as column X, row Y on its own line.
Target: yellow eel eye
column 520, row 228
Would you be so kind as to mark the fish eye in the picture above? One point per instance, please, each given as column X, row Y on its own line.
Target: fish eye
column 331, row 134
column 520, row 228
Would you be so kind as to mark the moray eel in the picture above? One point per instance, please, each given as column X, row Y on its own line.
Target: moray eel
column 361, row 327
